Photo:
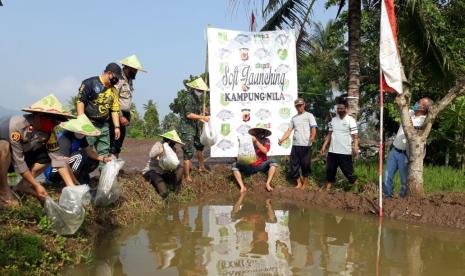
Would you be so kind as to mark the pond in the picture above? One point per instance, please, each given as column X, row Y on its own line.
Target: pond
column 252, row 236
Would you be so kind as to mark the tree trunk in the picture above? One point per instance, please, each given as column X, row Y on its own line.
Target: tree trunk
column 353, row 91
column 415, row 166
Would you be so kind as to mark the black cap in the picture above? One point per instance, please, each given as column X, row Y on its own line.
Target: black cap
column 115, row 69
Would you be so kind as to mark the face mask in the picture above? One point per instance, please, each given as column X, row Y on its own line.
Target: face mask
column 132, row 75
column 46, row 125
column 416, row 107
column 79, row 136
column 114, row 81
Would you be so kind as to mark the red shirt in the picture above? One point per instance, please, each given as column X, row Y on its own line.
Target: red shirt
column 261, row 157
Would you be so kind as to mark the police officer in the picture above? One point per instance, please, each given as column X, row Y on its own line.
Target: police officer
column 29, row 143
column 131, row 65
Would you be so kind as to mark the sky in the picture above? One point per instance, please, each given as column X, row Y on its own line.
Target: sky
column 51, row 46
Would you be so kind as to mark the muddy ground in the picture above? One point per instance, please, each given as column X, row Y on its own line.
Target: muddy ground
column 440, row 209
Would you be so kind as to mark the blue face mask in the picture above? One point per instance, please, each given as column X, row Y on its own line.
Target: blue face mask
column 416, row 107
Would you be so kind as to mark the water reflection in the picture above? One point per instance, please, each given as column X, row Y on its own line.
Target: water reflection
column 260, row 237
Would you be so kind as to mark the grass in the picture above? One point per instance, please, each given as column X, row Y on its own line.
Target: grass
column 436, row 178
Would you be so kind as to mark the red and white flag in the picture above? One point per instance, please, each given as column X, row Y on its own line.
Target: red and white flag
column 389, row 57
column 252, row 23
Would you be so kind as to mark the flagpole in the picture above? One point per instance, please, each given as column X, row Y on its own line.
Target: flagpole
column 381, row 155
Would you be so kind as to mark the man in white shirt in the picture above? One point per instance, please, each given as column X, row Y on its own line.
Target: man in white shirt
column 342, row 139
column 398, row 156
column 304, row 126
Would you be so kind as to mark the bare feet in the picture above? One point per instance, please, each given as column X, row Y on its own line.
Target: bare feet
column 243, row 190
column 188, row 179
column 298, row 186
column 269, row 188
column 203, row 170
column 7, row 198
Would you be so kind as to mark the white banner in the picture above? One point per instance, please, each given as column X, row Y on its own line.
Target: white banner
column 253, row 81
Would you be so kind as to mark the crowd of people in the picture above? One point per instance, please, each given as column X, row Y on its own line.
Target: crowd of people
column 30, row 145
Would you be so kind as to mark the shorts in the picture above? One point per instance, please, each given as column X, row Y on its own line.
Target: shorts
column 191, row 144
column 301, row 157
column 343, row 161
column 247, row 169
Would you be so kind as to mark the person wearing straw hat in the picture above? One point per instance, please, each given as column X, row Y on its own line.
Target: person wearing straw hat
column 262, row 164
column 131, row 65
column 162, row 180
column 98, row 99
column 82, row 158
column 28, row 143
column 190, row 112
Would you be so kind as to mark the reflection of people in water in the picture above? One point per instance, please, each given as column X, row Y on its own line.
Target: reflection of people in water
column 335, row 244
column 250, row 229
column 299, row 229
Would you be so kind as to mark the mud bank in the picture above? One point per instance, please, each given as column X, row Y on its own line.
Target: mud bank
column 439, row 209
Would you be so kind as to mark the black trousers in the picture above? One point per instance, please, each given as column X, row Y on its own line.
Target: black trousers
column 163, row 182
column 117, row 145
column 301, row 158
column 343, row 161
column 39, row 156
column 80, row 164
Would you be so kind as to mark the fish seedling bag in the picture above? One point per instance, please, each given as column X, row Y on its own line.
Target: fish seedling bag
column 208, row 137
column 169, row 160
column 108, row 189
column 246, row 154
column 68, row 215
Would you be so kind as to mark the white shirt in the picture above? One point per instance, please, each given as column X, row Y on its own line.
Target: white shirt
column 341, row 137
column 400, row 142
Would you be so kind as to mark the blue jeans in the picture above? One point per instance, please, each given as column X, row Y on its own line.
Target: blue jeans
column 397, row 161
column 247, row 169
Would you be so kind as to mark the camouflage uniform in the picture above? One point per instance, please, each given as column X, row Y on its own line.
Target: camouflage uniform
column 189, row 130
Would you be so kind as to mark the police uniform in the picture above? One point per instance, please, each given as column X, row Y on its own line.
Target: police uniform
column 126, row 90
column 99, row 101
column 29, row 146
column 189, row 130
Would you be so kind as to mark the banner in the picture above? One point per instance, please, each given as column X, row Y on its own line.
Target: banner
column 247, row 245
column 253, row 81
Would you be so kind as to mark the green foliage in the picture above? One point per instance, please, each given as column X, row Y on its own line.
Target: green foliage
column 151, row 120
column 170, row 122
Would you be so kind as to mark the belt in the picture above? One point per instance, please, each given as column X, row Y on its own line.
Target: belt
column 398, row 150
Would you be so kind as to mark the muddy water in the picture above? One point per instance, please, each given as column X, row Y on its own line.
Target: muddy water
column 260, row 237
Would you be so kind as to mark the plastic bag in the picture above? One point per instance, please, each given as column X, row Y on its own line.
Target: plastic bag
column 246, row 154
column 169, row 160
column 68, row 215
column 108, row 189
column 208, row 137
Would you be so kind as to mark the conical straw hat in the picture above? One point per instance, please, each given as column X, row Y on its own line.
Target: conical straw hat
column 133, row 62
column 198, row 84
column 173, row 136
column 50, row 105
column 253, row 131
column 81, row 125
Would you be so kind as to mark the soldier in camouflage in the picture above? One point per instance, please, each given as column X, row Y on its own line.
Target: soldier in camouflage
column 189, row 107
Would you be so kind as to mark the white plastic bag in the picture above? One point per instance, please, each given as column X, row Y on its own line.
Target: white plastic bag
column 169, row 160
column 108, row 189
column 246, row 154
column 208, row 137
column 68, row 215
